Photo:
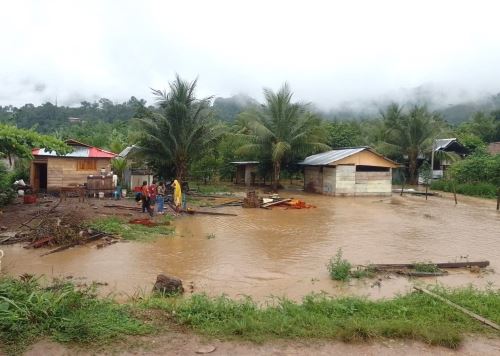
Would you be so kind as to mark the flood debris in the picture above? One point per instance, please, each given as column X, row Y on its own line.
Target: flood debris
column 168, row 285
column 145, row 222
column 252, row 200
column 385, row 266
column 427, row 269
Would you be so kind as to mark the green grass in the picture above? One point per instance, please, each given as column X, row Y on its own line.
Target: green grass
column 426, row 267
column 413, row 316
column 29, row 311
column 118, row 226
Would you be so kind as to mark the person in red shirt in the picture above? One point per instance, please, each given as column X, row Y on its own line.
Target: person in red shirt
column 146, row 198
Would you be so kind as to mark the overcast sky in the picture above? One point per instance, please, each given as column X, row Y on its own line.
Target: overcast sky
column 330, row 52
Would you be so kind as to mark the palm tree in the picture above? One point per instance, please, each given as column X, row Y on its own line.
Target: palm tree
column 411, row 133
column 181, row 130
column 280, row 129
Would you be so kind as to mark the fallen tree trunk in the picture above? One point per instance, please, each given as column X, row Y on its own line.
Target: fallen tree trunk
column 462, row 309
column 75, row 243
column 480, row 264
column 421, row 274
column 207, row 213
column 126, row 207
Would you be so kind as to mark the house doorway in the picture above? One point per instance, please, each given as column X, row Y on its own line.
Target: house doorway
column 40, row 178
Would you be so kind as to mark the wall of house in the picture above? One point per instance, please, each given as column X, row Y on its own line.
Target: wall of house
column 313, row 179
column 249, row 169
column 345, row 180
column 329, row 180
column 62, row 171
column 373, row 183
column 367, row 158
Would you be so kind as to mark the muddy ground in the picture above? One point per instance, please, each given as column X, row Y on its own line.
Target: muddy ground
column 278, row 252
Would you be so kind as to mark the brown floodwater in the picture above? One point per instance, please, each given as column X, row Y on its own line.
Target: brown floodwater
column 278, row 252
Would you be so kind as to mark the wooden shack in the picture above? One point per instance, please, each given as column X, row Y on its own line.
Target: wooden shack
column 246, row 172
column 357, row 171
column 50, row 172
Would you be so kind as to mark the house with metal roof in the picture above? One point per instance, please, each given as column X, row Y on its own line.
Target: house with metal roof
column 355, row 171
column 50, row 172
column 441, row 162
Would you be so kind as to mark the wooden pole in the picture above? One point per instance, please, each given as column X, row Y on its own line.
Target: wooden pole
column 462, row 309
column 455, row 192
column 498, row 199
column 426, row 189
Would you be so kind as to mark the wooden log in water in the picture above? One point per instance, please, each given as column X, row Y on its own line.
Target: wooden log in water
column 207, row 213
column 480, row 264
column 462, row 309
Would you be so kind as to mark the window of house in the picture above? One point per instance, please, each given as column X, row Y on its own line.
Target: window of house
column 86, row 165
column 361, row 168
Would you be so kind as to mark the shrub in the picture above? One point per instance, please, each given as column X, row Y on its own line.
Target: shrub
column 484, row 190
column 339, row 268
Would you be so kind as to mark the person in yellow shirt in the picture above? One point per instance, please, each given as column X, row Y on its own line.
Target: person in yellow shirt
column 177, row 195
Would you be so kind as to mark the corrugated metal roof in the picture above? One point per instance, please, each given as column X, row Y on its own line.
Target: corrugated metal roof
column 78, row 152
column 442, row 143
column 245, row 162
column 329, row 157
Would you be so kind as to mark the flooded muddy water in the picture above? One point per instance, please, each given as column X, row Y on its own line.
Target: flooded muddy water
column 281, row 252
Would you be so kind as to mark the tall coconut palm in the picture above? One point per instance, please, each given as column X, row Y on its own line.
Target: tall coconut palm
column 280, row 129
column 411, row 133
column 181, row 130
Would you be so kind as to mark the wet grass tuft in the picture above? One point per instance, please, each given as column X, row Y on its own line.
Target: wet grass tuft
column 413, row 316
column 136, row 232
column 29, row 311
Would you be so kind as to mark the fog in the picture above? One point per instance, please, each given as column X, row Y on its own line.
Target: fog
column 333, row 54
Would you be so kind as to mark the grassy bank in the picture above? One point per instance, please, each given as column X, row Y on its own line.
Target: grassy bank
column 60, row 311
column 414, row 316
column 482, row 190
column 121, row 227
column 30, row 311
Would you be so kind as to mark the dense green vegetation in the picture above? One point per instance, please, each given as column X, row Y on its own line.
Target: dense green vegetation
column 477, row 175
column 29, row 311
column 190, row 138
column 413, row 316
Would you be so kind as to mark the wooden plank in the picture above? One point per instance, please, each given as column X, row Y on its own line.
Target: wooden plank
column 480, row 264
column 267, row 205
column 207, row 213
column 462, row 309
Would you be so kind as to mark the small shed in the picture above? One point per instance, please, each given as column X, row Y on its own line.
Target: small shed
column 50, row 172
column 135, row 173
column 356, row 171
column 246, row 171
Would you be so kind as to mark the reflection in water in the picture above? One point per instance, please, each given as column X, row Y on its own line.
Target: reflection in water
column 285, row 252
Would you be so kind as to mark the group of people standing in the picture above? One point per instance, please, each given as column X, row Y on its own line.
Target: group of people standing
column 154, row 194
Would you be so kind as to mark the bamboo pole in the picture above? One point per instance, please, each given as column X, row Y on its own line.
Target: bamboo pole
column 462, row 309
